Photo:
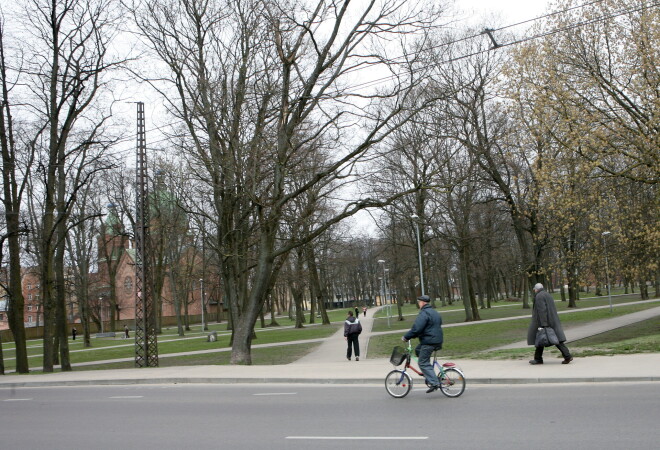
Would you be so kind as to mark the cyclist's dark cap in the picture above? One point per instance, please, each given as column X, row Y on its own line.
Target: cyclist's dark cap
column 424, row 298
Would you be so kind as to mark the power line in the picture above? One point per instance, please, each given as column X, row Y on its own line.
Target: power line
column 476, row 35
column 518, row 41
column 490, row 32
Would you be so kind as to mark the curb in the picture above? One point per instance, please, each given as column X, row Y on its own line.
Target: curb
column 355, row 381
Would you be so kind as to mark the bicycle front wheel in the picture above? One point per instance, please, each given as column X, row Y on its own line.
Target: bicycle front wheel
column 452, row 382
column 398, row 383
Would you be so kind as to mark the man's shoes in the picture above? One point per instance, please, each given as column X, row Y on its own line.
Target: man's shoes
column 432, row 388
column 357, row 358
column 567, row 360
column 534, row 362
column 349, row 358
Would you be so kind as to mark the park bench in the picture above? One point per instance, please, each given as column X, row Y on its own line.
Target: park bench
column 106, row 334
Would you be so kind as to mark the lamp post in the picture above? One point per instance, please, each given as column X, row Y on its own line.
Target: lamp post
column 387, row 289
column 607, row 268
column 384, row 294
column 419, row 252
column 101, row 313
column 383, row 299
column 201, row 290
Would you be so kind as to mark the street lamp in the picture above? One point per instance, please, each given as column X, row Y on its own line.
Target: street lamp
column 607, row 268
column 101, row 313
column 387, row 283
column 383, row 299
column 201, row 290
column 419, row 252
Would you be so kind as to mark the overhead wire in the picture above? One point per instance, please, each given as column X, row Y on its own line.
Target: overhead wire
column 371, row 83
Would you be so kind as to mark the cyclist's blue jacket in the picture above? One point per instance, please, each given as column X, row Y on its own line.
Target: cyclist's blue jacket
column 427, row 327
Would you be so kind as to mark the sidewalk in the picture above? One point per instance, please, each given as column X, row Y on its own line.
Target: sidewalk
column 328, row 365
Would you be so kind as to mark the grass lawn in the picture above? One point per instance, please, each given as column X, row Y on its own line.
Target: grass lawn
column 475, row 340
column 456, row 314
column 260, row 356
column 117, row 348
column 471, row 341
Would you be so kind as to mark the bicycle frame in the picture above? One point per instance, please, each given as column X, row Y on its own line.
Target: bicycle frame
column 399, row 382
column 437, row 367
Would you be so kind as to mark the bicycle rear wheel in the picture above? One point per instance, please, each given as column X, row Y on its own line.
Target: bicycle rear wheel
column 398, row 383
column 452, row 382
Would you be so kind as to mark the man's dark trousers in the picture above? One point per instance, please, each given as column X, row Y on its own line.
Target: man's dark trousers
column 353, row 342
column 538, row 354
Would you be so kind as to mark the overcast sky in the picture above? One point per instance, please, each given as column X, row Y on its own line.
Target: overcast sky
column 512, row 11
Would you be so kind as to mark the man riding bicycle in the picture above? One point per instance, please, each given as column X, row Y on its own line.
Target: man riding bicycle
column 428, row 328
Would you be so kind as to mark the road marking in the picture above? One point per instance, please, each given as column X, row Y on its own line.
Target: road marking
column 17, row 400
column 127, row 396
column 278, row 393
column 363, row 438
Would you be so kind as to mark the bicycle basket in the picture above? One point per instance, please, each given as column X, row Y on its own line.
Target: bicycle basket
column 398, row 355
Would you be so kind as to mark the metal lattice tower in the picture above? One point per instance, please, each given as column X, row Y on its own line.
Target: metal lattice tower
column 146, row 344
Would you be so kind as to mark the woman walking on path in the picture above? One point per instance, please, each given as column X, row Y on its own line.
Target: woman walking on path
column 352, row 329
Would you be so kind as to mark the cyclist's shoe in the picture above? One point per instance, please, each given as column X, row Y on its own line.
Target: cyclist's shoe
column 357, row 358
column 567, row 360
column 432, row 388
column 534, row 362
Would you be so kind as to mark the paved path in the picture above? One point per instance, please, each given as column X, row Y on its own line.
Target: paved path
column 333, row 349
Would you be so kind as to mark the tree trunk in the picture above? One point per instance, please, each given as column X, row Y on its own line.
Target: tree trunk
column 316, row 288
column 62, row 329
column 465, row 288
column 643, row 289
column 15, row 313
column 2, row 358
column 273, row 305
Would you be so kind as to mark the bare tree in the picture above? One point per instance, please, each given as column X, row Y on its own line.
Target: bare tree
column 80, row 251
column 254, row 99
column 68, row 61
column 17, row 159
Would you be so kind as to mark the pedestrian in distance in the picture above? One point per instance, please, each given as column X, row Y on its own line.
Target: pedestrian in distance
column 74, row 332
column 544, row 314
column 357, row 312
column 352, row 329
column 428, row 328
column 126, row 332
column 364, row 310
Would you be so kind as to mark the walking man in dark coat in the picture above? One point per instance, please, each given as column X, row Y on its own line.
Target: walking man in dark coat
column 544, row 314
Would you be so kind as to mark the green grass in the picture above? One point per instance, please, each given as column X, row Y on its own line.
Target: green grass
column 471, row 341
column 456, row 314
column 117, row 348
column 641, row 337
column 476, row 340
column 260, row 356
column 460, row 340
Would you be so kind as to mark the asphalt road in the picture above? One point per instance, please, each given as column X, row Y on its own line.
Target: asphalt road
column 566, row 416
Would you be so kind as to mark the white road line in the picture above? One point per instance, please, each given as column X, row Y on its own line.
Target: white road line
column 17, row 400
column 362, row 438
column 127, row 396
column 278, row 393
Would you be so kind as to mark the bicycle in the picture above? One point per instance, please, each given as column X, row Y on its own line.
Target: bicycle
column 398, row 383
